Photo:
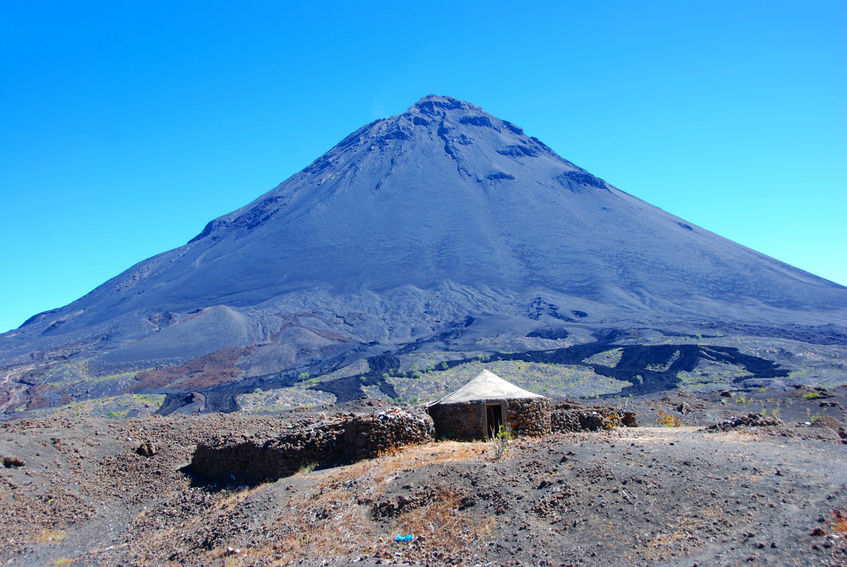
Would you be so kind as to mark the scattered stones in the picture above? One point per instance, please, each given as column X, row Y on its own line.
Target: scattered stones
column 12, row 462
column 541, row 505
column 147, row 449
column 828, row 421
column 749, row 420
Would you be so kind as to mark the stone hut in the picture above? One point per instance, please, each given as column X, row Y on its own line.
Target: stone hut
column 479, row 407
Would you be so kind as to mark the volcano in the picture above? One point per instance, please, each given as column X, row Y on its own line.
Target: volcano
column 435, row 230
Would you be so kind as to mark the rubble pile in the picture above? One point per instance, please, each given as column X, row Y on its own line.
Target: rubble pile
column 749, row 420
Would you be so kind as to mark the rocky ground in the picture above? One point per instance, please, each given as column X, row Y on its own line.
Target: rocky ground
column 764, row 486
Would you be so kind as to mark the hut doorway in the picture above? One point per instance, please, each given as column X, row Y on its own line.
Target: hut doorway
column 494, row 419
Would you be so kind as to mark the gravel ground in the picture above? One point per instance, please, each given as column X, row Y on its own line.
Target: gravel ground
column 752, row 492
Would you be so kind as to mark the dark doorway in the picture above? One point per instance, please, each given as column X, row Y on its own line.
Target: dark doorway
column 494, row 419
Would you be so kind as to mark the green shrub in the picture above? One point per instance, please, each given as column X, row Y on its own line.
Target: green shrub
column 499, row 442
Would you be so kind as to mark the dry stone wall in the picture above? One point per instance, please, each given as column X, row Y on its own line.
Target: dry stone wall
column 459, row 421
column 573, row 416
column 251, row 460
column 529, row 416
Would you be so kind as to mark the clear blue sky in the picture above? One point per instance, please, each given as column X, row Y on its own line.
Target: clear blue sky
column 126, row 126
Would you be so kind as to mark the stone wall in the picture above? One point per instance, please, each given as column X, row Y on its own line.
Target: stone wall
column 530, row 416
column 251, row 460
column 459, row 421
column 573, row 416
column 465, row 421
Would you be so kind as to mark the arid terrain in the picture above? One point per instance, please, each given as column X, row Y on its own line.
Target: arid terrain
column 755, row 490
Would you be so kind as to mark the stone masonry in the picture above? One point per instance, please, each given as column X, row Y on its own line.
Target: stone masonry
column 249, row 460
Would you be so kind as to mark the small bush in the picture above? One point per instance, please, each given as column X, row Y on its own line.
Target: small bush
column 668, row 420
column 499, row 442
column 611, row 421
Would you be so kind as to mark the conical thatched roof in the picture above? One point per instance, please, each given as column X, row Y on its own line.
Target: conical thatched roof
column 486, row 386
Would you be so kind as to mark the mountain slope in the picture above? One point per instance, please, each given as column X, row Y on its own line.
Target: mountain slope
column 403, row 230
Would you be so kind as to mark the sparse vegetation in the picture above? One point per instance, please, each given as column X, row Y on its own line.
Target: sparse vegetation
column 838, row 522
column 668, row 420
column 708, row 373
column 446, row 495
column 559, row 379
column 611, row 421
column 499, row 442
column 52, row 536
column 329, row 526
column 609, row 358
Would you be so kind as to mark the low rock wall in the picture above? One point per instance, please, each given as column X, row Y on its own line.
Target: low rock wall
column 572, row 416
column 249, row 460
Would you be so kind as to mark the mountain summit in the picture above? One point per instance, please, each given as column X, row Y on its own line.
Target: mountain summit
column 441, row 222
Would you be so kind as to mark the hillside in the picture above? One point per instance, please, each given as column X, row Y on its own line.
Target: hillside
column 756, row 491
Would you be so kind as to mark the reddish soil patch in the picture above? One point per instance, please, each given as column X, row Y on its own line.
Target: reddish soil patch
column 210, row 370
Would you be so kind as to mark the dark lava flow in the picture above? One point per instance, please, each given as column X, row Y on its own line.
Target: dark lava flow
column 648, row 369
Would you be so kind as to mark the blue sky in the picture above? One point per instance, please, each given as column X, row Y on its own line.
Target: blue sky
column 126, row 126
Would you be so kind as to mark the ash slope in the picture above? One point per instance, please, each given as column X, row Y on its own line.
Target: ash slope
column 406, row 228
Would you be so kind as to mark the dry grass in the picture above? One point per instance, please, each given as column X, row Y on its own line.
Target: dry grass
column 838, row 523
column 332, row 517
column 51, row 536
column 439, row 527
